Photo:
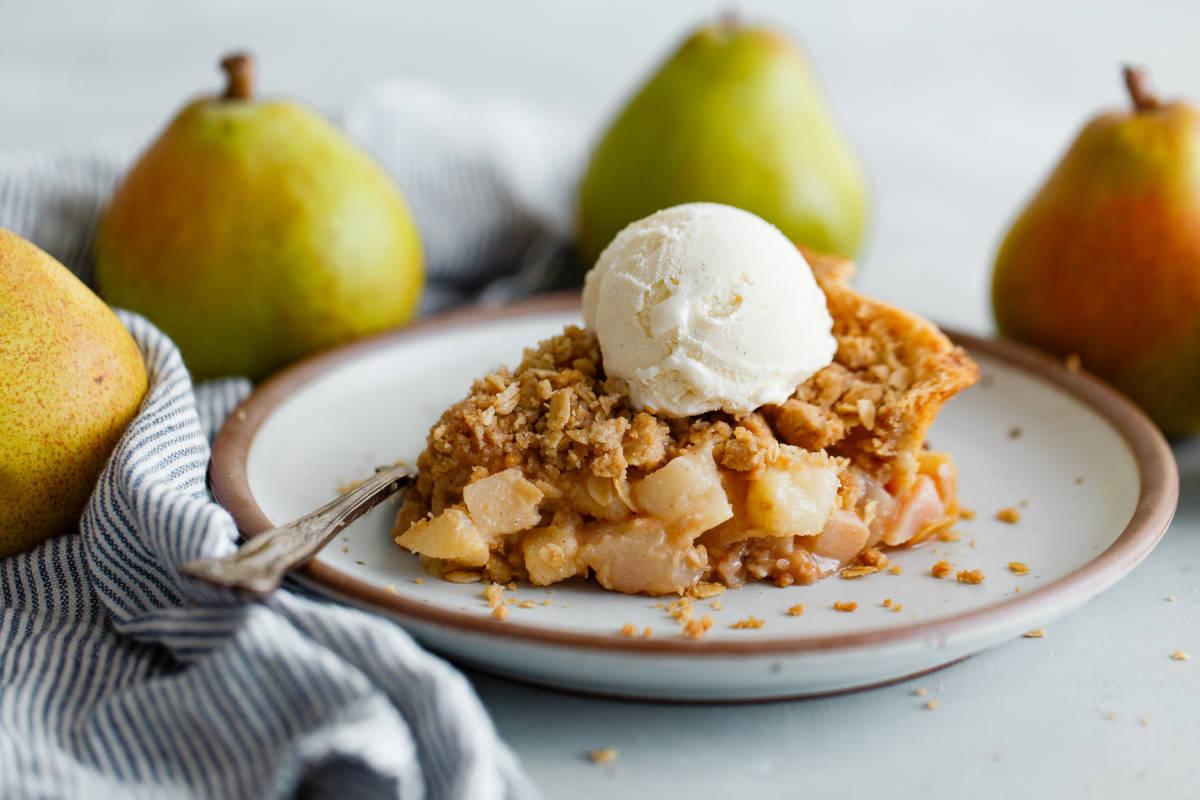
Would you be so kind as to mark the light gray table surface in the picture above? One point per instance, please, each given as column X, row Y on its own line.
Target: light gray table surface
column 958, row 109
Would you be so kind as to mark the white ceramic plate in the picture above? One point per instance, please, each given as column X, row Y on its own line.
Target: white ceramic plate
column 1094, row 482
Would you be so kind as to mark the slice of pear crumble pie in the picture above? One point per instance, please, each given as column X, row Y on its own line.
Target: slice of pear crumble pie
column 551, row 472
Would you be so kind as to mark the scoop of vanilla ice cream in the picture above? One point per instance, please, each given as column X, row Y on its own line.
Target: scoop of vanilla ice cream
column 704, row 307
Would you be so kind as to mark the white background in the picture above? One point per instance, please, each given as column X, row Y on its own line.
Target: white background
column 958, row 109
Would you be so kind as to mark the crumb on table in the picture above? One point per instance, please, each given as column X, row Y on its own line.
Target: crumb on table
column 500, row 613
column 603, row 755
column 628, row 629
column 796, row 610
column 1036, row 633
column 1018, row 568
column 750, row 622
column 1009, row 515
column 896, row 569
column 1180, row 655
column 858, row 571
column 845, row 605
column 941, row 569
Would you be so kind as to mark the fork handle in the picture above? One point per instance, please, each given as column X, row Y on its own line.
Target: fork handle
column 259, row 565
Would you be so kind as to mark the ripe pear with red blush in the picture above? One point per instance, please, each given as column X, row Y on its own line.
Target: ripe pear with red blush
column 1104, row 262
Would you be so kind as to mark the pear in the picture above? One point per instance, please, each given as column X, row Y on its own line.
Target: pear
column 254, row 232
column 71, row 379
column 735, row 116
column 1104, row 262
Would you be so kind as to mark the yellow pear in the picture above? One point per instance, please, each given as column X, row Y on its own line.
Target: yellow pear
column 71, row 379
column 253, row 232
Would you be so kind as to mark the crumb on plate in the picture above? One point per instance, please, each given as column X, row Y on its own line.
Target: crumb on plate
column 696, row 628
column 971, row 576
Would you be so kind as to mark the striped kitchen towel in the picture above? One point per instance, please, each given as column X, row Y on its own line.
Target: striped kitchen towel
column 119, row 676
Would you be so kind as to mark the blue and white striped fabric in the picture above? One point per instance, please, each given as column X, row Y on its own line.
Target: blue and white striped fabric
column 121, row 677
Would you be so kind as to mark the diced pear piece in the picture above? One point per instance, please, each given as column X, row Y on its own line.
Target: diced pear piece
column 450, row 536
column 687, row 489
column 844, row 536
column 640, row 555
column 550, row 554
column 503, row 503
column 795, row 495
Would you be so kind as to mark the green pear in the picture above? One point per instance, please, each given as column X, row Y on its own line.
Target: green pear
column 71, row 379
column 254, row 232
column 1104, row 261
column 735, row 116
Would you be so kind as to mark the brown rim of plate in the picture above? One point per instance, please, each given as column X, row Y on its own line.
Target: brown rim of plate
column 1157, row 500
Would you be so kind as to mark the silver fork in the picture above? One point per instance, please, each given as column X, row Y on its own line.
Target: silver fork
column 259, row 565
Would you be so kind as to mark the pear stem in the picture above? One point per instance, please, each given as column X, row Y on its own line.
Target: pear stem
column 239, row 74
column 1139, row 92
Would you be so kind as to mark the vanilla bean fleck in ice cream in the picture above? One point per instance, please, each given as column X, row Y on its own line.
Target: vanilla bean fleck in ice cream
column 705, row 307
